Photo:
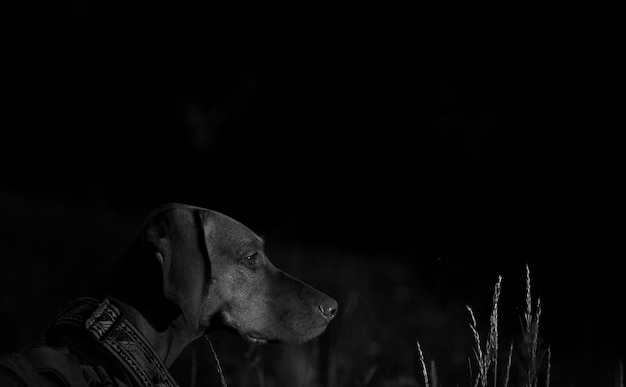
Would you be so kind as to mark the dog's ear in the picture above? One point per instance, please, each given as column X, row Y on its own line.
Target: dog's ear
column 174, row 236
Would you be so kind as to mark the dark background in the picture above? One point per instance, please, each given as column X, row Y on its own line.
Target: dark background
column 451, row 145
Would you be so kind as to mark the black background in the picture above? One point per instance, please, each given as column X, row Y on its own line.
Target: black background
column 460, row 143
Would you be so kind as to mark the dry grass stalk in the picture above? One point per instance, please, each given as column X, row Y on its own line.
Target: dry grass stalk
column 433, row 373
column 490, row 354
column 217, row 362
column 529, row 302
column 369, row 375
column 531, row 334
column 549, row 367
column 535, row 343
column 492, row 343
column 528, row 319
column 508, row 366
column 482, row 358
column 421, row 356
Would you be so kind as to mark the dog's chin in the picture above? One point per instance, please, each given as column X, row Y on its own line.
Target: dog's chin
column 285, row 336
column 259, row 338
column 276, row 337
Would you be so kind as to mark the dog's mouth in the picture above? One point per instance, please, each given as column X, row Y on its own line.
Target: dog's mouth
column 255, row 338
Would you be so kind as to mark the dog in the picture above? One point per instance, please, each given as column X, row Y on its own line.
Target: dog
column 190, row 271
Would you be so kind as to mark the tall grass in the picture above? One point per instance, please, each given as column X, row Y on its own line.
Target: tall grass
column 489, row 356
column 486, row 354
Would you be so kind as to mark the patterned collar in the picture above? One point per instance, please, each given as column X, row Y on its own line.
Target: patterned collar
column 106, row 323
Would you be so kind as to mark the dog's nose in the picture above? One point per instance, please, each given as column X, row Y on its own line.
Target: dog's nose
column 328, row 308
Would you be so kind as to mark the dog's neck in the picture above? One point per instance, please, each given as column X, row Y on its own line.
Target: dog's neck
column 167, row 343
column 136, row 286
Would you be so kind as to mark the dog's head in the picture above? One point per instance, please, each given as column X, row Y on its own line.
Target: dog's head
column 216, row 271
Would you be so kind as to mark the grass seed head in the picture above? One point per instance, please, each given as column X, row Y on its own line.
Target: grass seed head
column 423, row 363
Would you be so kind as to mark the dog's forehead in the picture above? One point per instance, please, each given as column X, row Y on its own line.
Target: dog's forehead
column 218, row 228
column 231, row 230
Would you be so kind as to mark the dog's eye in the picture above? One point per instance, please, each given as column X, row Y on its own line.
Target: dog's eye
column 252, row 259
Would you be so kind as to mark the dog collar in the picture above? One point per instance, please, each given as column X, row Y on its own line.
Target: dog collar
column 105, row 322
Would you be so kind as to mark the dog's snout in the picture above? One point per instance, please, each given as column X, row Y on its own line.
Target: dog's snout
column 328, row 308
